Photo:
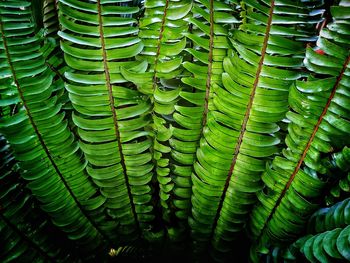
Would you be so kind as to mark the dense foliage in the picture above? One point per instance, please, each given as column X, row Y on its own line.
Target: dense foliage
column 194, row 130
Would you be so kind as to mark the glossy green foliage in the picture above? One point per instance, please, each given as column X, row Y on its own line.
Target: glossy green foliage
column 162, row 30
column 248, row 99
column 53, row 54
column 331, row 230
column 50, row 18
column 336, row 216
column 211, row 22
column 265, row 62
column 209, row 45
column 23, row 228
column 319, row 114
column 37, row 130
column 328, row 246
column 338, row 166
column 98, row 40
column 154, row 127
column 327, row 239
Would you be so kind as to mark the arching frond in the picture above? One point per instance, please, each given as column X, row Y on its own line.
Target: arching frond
column 98, row 39
column 239, row 135
column 162, row 31
column 23, row 228
column 210, row 24
column 37, row 130
column 327, row 239
column 318, row 116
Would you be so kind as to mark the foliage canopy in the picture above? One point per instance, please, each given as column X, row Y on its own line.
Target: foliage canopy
column 136, row 128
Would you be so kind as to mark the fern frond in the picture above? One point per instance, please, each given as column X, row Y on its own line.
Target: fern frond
column 329, row 246
column 98, row 39
column 249, row 101
column 162, row 31
column 327, row 239
column 38, row 133
column 50, row 18
column 210, row 24
column 336, row 216
column 23, row 228
column 318, row 116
